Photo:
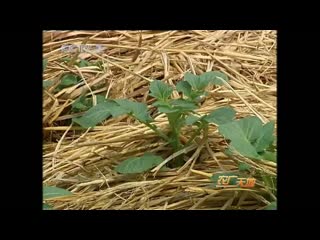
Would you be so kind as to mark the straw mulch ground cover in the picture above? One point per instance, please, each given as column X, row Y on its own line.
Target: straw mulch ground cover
column 83, row 160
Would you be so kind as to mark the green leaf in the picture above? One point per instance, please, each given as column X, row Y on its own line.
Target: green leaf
column 182, row 104
column 249, row 137
column 213, row 77
column 46, row 206
column 191, row 119
column 139, row 164
column 117, row 111
column 160, row 103
column 167, row 109
column 84, row 63
column 52, row 192
column 138, row 110
column 46, row 84
column 81, row 104
column 100, row 98
column 271, row 156
column 240, row 135
column 160, row 90
column 221, row 116
column 195, row 81
column 185, row 88
column 197, row 95
column 266, row 138
column 202, row 81
column 243, row 167
column 67, row 81
column 95, row 115
column 175, row 106
column 44, row 64
column 164, row 107
column 271, row 206
column 207, row 77
column 252, row 127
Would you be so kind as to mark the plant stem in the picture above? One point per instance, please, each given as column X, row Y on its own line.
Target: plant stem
column 175, row 127
column 157, row 131
column 175, row 122
column 175, row 138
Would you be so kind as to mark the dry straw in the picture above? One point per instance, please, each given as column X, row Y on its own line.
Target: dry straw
column 83, row 161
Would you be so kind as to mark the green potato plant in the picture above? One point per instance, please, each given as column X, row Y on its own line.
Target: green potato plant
column 248, row 136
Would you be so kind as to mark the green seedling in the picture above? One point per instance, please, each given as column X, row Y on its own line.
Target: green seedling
column 248, row 136
column 180, row 112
